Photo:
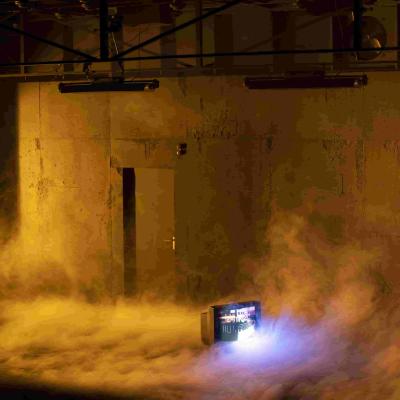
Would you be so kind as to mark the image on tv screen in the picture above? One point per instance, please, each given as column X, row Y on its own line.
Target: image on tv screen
column 236, row 322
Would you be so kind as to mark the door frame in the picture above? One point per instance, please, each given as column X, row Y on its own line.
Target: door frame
column 138, row 153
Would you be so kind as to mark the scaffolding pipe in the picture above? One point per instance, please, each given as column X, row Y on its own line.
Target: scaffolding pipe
column 357, row 27
column 104, row 51
column 195, row 55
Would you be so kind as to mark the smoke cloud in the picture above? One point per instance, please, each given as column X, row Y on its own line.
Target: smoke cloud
column 330, row 329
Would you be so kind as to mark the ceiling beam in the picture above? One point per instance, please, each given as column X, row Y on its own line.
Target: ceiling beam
column 264, row 70
column 195, row 55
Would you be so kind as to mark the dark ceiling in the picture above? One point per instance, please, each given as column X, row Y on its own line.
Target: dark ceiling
column 28, row 26
column 64, row 8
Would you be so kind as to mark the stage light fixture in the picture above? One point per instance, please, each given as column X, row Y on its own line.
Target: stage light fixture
column 307, row 82
column 108, row 86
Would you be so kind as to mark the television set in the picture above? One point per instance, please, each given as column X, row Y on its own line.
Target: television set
column 230, row 322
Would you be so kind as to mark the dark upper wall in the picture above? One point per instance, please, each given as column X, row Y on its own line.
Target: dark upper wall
column 8, row 161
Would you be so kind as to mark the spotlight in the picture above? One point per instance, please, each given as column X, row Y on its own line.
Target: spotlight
column 108, row 86
column 307, row 82
column 230, row 322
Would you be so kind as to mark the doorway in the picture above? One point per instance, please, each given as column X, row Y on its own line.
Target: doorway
column 149, row 231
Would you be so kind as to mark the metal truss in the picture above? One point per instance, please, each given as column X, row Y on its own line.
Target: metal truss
column 103, row 29
column 196, row 55
column 188, row 69
column 53, row 76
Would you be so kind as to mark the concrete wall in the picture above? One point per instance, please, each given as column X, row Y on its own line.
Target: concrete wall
column 330, row 155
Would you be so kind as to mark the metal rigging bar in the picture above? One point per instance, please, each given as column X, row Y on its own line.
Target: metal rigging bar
column 199, row 33
column 357, row 12
column 46, row 41
column 177, row 28
column 104, row 29
column 195, row 55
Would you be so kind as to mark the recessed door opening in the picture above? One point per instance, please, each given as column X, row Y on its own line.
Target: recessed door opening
column 149, row 232
column 129, row 226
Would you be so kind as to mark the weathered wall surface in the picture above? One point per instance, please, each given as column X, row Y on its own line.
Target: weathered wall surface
column 330, row 155
column 64, row 183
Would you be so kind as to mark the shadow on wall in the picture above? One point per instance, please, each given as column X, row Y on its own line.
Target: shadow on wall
column 8, row 162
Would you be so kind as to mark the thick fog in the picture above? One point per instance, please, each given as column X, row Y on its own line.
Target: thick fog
column 330, row 328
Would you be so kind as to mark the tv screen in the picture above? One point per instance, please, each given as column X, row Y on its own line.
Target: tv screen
column 230, row 322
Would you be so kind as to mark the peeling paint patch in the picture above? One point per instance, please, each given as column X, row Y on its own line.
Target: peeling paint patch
column 43, row 186
column 393, row 146
column 219, row 124
column 334, row 148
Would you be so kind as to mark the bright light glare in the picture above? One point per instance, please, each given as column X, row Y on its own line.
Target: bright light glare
column 253, row 342
column 246, row 334
column 282, row 342
column 276, row 348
